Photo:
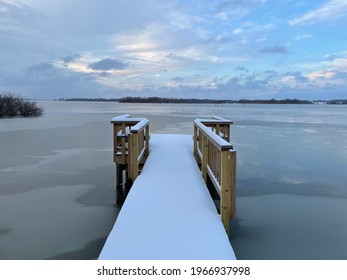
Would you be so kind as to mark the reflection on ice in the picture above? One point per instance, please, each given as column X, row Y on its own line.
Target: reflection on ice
column 46, row 222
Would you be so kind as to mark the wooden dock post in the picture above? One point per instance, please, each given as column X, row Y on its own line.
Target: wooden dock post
column 195, row 139
column 225, row 189
column 232, row 155
column 119, row 174
column 133, row 157
column 204, row 157
column 147, row 142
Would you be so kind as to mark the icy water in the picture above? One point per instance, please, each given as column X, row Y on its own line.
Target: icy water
column 57, row 194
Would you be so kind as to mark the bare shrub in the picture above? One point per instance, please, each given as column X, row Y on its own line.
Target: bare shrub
column 14, row 105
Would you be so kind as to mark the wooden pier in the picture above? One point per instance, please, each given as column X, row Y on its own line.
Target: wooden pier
column 169, row 212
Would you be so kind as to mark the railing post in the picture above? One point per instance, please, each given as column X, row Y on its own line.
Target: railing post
column 233, row 185
column 204, row 156
column 118, row 175
column 195, row 142
column 114, row 141
column 227, row 133
column 217, row 129
column 147, row 140
column 225, row 189
column 123, row 159
column 133, row 153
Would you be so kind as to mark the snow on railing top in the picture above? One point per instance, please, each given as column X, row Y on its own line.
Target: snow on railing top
column 215, row 121
column 223, row 144
column 140, row 125
column 121, row 118
column 222, row 119
column 125, row 119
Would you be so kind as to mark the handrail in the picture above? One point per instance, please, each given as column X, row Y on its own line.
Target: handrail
column 121, row 117
column 139, row 126
column 131, row 143
column 219, row 126
column 220, row 142
column 218, row 162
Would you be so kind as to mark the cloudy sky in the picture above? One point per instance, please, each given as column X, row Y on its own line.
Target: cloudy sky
column 220, row 49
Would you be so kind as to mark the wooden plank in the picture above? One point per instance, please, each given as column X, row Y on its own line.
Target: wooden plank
column 217, row 129
column 214, row 180
column 225, row 190
column 195, row 139
column 233, row 185
column 227, row 133
column 147, row 141
column 140, row 125
column 204, row 156
column 123, row 144
column 114, row 143
column 133, row 156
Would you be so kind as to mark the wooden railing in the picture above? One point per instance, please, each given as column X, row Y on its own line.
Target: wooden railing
column 131, row 145
column 218, row 162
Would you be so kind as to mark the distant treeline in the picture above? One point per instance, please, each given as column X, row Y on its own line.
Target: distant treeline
column 275, row 101
column 171, row 100
column 209, row 101
column 130, row 99
column 338, row 102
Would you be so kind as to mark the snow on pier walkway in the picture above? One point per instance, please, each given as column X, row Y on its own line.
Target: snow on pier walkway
column 168, row 213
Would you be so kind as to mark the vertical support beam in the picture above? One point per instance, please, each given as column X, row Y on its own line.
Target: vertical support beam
column 233, row 185
column 118, row 175
column 123, row 159
column 114, row 142
column 217, row 129
column 227, row 133
column 204, row 156
column 195, row 139
column 130, row 142
column 133, row 153
column 225, row 189
column 147, row 140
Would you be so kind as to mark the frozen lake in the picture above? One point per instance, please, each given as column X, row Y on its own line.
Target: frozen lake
column 57, row 193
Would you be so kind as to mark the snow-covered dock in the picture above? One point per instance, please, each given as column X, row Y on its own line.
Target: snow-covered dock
column 169, row 212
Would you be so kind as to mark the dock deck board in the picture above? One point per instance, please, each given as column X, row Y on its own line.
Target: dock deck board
column 168, row 213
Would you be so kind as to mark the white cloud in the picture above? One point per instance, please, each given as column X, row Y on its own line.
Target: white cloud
column 236, row 9
column 248, row 32
column 332, row 10
column 321, row 75
column 338, row 64
column 300, row 37
column 45, row 80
